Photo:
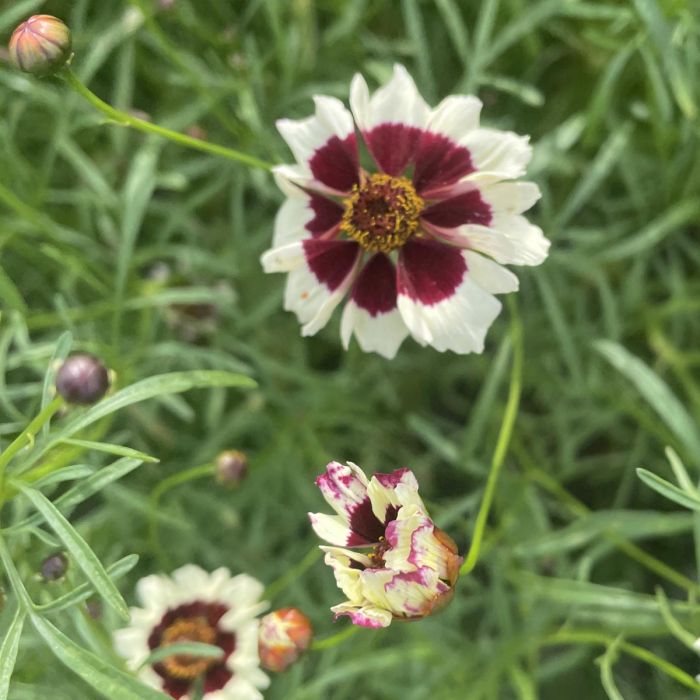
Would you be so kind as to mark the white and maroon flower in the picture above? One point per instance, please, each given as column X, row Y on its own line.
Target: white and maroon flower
column 388, row 557
column 196, row 606
column 416, row 240
column 284, row 635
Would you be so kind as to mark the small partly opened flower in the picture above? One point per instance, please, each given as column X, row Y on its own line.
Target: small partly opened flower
column 284, row 635
column 417, row 237
column 389, row 558
column 195, row 606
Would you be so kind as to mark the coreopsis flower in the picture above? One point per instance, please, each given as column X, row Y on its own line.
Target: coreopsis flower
column 417, row 238
column 195, row 606
column 389, row 558
column 41, row 45
column 284, row 635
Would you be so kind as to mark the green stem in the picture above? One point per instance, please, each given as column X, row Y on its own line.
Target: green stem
column 502, row 444
column 27, row 437
column 335, row 639
column 276, row 587
column 586, row 637
column 147, row 127
column 203, row 470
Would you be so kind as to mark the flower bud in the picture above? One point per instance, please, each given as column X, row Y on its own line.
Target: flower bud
column 82, row 379
column 231, row 467
column 41, row 45
column 284, row 635
column 54, row 567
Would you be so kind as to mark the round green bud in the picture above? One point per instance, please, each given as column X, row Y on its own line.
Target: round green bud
column 41, row 45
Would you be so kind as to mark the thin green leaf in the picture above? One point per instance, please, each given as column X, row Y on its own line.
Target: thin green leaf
column 656, row 393
column 160, row 385
column 205, row 651
column 8, row 651
column 88, row 487
column 679, row 471
column 111, row 449
column 84, row 557
column 107, row 680
column 85, row 590
column 668, row 490
column 63, row 346
column 70, row 473
column 607, row 678
column 675, row 627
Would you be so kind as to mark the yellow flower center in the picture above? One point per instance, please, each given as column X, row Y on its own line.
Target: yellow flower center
column 193, row 629
column 382, row 212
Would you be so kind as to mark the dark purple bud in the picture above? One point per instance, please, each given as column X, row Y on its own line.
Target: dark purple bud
column 54, row 567
column 82, row 379
column 231, row 467
column 41, row 45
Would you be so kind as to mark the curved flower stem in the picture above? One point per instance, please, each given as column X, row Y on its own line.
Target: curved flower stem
column 504, row 435
column 127, row 120
column 276, row 587
column 199, row 472
column 334, row 639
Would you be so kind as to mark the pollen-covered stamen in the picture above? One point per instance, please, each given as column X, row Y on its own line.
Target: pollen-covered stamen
column 382, row 212
column 377, row 554
column 194, row 629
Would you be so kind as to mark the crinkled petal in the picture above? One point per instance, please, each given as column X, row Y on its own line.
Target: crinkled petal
column 331, row 528
column 439, row 301
column 325, row 144
column 364, row 615
column 501, row 153
column 347, row 566
column 344, row 486
column 371, row 313
column 389, row 492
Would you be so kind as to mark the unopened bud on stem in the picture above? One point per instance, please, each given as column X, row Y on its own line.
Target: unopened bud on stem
column 41, row 45
column 82, row 379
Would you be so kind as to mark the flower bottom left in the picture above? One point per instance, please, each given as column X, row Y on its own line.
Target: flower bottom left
column 194, row 605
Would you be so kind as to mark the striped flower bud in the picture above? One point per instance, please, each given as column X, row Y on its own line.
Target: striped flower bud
column 284, row 635
column 41, row 45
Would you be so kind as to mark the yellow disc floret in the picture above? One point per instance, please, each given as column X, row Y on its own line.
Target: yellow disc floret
column 382, row 213
column 194, row 629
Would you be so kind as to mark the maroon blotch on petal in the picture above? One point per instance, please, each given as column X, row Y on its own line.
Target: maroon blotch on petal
column 331, row 261
column 217, row 677
column 393, row 146
column 464, row 208
column 327, row 214
column 336, row 163
column 392, row 479
column 430, row 271
column 439, row 162
column 365, row 527
column 375, row 288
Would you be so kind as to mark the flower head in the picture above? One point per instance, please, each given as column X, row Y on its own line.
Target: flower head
column 417, row 239
column 82, row 379
column 40, row 45
column 387, row 555
column 284, row 635
column 196, row 606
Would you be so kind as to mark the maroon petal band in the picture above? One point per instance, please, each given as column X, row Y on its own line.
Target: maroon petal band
column 430, row 271
column 375, row 288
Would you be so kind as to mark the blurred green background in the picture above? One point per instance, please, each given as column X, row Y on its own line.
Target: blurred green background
column 148, row 254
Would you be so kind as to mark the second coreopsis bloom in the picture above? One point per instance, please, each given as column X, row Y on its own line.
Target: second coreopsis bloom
column 389, row 558
column 417, row 238
column 195, row 606
column 284, row 635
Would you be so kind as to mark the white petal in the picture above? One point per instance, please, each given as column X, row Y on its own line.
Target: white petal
column 457, row 323
column 283, row 259
column 347, row 578
column 291, row 220
column 397, row 101
column 331, row 528
column 455, row 116
column 155, row 592
column 510, row 197
column 306, row 136
column 489, row 275
column 364, row 615
column 382, row 333
column 400, row 495
column 510, row 239
column 502, row 153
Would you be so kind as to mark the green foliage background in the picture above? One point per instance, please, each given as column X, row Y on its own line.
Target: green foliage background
column 91, row 214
